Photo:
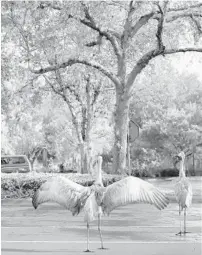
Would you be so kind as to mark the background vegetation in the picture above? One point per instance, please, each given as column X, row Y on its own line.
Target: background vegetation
column 72, row 112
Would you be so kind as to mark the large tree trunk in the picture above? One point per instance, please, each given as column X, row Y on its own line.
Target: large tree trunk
column 120, row 131
column 85, row 157
column 87, row 116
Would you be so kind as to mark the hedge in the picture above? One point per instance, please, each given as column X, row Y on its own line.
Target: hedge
column 17, row 185
column 169, row 172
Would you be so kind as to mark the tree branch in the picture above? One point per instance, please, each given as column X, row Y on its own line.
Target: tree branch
column 96, row 93
column 24, row 36
column 162, row 11
column 172, row 17
column 141, row 64
column 84, row 122
column 197, row 24
column 141, row 22
column 90, row 22
column 71, row 62
column 127, row 31
column 68, row 86
column 171, row 51
column 52, row 5
column 185, row 8
column 74, row 119
column 52, row 86
column 144, row 60
column 183, row 12
column 160, row 29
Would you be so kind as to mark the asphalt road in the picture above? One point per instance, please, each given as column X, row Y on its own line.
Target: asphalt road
column 134, row 229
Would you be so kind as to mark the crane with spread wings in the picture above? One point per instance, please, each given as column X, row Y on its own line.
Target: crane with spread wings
column 97, row 199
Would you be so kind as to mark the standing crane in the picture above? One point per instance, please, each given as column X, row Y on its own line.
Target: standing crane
column 97, row 199
column 183, row 189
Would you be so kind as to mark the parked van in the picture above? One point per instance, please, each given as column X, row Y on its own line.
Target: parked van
column 15, row 164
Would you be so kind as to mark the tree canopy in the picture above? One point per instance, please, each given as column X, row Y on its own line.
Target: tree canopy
column 73, row 73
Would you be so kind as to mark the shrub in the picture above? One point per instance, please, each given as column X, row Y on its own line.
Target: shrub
column 170, row 172
column 142, row 174
column 18, row 185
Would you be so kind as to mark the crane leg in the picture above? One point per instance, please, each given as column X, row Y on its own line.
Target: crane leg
column 180, row 233
column 88, row 228
column 100, row 233
column 185, row 220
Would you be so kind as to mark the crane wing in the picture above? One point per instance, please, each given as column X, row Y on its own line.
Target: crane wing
column 64, row 192
column 132, row 190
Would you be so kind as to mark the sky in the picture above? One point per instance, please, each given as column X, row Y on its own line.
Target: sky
column 189, row 63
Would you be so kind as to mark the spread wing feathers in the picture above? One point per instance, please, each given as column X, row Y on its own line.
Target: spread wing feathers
column 64, row 192
column 132, row 190
column 183, row 193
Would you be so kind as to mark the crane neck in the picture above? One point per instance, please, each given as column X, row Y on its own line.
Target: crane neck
column 99, row 172
column 182, row 169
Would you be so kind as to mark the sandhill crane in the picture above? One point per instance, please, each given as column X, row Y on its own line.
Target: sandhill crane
column 183, row 189
column 97, row 199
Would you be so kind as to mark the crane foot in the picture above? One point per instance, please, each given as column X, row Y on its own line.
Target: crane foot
column 88, row 251
column 102, row 248
column 185, row 232
column 182, row 233
column 179, row 234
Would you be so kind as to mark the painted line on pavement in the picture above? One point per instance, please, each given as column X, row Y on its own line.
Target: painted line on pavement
column 107, row 242
column 93, row 226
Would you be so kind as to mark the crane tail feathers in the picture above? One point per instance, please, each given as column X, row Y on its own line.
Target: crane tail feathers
column 35, row 199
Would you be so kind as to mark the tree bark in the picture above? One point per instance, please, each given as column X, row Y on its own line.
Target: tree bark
column 120, row 131
column 32, row 165
column 194, row 164
column 85, row 157
column 87, row 118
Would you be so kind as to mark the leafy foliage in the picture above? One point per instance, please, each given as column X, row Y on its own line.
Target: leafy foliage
column 49, row 49
column 170, row 111
column 22, row 186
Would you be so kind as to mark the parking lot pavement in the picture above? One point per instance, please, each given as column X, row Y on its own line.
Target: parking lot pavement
column 134, row 229
column 112, row 248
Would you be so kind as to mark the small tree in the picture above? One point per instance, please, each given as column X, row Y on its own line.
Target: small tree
column 81, row 98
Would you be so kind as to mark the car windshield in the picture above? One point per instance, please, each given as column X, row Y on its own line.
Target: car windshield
column 12, row 160
column 4, row 161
